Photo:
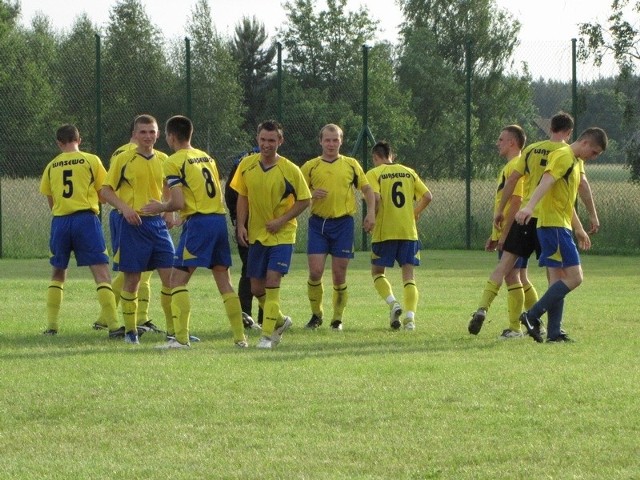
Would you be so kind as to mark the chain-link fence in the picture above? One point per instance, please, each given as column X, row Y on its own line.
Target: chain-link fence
column 88, row 85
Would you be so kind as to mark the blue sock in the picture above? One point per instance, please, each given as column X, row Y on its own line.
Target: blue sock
column 554, row 319
column 554, row 293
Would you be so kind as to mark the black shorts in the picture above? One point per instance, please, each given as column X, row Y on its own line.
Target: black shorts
column 522, row 240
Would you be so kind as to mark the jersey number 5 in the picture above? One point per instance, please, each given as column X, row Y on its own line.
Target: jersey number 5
column 68, row 184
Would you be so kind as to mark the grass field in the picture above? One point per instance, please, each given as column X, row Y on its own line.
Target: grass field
column 365, row 403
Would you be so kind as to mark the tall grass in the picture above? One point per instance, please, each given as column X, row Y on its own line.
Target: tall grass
column 25, row 215
column 365, row 403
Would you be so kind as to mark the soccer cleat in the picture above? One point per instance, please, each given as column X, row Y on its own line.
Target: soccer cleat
column 394, row 316
column 192, row 338
column 477, row 319
column 149, row 326
column 410, row 325
column 276, row 336
column 264, row 343
column 131, row 337
column 532, row 325
column 99, row 326
column 249, row 323
column 171, row 344
column 314, row 323
column 508, row 334
column 241, row 344
column 336, row 325
column 117, row 333
column 50, row 332
column 562, row 338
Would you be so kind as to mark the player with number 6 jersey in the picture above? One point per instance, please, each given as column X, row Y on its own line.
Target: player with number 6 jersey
column 400, row 198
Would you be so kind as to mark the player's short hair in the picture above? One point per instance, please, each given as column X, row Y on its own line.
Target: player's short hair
column 271, row 126
column 597, row 136
column 382, row 149
column 144, row 119
column 67, row 133
column 561, row 122
column 181, row 127
column 331, row 127
column 518, row 133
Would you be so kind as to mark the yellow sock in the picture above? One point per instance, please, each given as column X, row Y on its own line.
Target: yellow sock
column 530, row 296
column 383, row 287
column 515, row 304
column 129, row 303
column 234, row 313
column 54, row 300
column 340, row 296
column 261, row 299
column 108, row 309
column 166, row 304
column 490, row 292
column 271, row 311
column 410, row 298
column 116, row 286
column 144, row 294
column 181, row 308
column 315, row 290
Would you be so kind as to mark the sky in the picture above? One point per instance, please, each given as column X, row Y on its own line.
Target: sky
column 547, row 25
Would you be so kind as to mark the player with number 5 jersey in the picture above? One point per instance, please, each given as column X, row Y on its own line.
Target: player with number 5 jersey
column 400, row 198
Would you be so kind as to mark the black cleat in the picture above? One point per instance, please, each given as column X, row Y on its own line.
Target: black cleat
column 117, row 333
column 477, row 319
column 314, row 322
column 532, row 325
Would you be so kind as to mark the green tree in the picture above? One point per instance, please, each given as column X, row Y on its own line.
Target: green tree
column 620, row 37
column 323, row 47
column 218, row 115
column 324, row 79
column 254, row 57
column 432, row 67
column 76, row 73
column 27, row 99
column 136, row 76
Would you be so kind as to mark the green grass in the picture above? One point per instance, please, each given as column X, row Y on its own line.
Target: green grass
column 366, row 403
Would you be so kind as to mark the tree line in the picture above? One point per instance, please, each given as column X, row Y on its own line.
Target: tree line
column 416, row 88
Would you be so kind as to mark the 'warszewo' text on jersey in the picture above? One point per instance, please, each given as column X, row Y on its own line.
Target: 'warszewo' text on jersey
column 73, row 180
column 197, row 174
column 399, row 187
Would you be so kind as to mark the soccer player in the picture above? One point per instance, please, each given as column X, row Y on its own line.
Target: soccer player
column 272, row 193
column 401, row 196
column 556, row 196
column 521, row 240
column 510, row 142
column 144, row 290
column 71, row 183
column 244, row 284
column 194, row 190
column 135, row 178
column 333, row 179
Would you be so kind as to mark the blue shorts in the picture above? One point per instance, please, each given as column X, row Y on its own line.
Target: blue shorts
column 331, row 235
column 204, row 242
column 143, row 247
column 115, row 217
column 384, row 254
column 558, row 248
column 80, row 232
column 521, row 262
column 262, row 258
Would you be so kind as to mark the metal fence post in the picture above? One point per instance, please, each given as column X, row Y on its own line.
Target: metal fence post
column 187, row 45
column 574, row 88
column 279, row 83
column 469, row 67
